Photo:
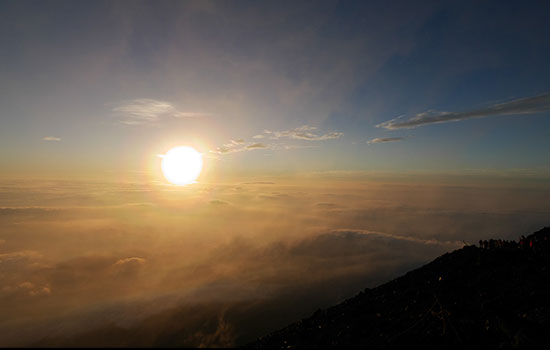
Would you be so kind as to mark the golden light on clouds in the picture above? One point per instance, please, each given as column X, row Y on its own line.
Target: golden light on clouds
column 181, row 165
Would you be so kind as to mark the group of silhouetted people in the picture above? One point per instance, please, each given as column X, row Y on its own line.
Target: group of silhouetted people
column 535, row 242
column 497, row 244
column 532, row 242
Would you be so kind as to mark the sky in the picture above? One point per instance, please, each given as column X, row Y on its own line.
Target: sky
column 92, row 87
column 344, row 143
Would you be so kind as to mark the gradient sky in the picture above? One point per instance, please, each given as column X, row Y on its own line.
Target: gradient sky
column 98, row 87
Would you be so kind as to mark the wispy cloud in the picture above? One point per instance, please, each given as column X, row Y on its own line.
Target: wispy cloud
column 304, row 132
column 234, row 143
column 386, row 139
column 223, row 150
column 528, row 105
column 256, row 146
column 235, row 147
column 362, row 232
column 51, row 138
column 148, row 111
column 130, row 261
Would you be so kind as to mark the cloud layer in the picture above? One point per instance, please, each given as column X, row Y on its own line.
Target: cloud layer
column 84, row 263
column 528, row 105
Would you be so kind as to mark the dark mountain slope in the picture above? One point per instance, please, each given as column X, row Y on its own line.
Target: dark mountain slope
column 496, row 296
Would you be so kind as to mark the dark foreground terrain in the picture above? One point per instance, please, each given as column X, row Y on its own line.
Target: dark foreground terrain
column 495, row 295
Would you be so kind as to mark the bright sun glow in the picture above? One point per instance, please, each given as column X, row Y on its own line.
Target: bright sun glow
column 181, row 165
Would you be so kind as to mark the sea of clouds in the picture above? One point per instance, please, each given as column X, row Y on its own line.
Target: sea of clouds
column 218, row 264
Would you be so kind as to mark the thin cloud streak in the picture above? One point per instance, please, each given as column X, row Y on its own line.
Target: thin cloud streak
column 256, row 146
column 51, row 138
column 527, row 105
column 303, row 133
column 149, row 111
column 234, row 143
column 386, row 139
column 456, row 244
column 233, row 147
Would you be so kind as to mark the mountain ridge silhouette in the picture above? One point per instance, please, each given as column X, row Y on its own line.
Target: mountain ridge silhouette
column 497, row 294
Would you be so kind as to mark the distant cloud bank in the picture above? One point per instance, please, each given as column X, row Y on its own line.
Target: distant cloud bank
column 527, row 105
column 51, row 138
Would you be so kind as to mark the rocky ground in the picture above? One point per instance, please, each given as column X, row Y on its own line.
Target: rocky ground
column 497, row 294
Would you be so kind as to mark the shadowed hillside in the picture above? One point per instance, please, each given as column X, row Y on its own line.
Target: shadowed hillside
column 495, row 295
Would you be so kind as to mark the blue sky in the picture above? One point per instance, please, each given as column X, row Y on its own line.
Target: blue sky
column 205, row 73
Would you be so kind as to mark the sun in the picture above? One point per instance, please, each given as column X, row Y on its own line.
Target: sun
column 181, row 165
